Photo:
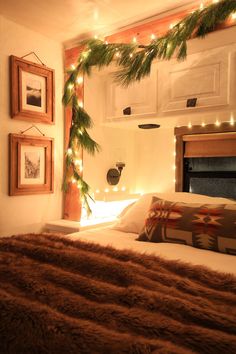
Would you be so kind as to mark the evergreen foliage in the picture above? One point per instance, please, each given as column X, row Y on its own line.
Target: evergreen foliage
column 135, row 61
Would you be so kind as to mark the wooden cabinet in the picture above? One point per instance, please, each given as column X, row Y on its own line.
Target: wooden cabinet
column 204, row 76
column 141, row 97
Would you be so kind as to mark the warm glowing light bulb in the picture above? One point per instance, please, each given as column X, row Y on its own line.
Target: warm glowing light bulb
column 217, row 123
column 115, row 189
column 97, row 191
column 131, row 55
column 106, row 190
column 69, row 151
column 134, row 40
column 78, row 162
column 171, row 26
column 96, row 36
column 232, row 121
column 203, row 124
column 153, row 36
column 80, row 103
column 201, row 6
column 234, row 16
column 118, row 54
column 72, row 66
column 106, row 42
column 73, row 180
column 189, row 125
column 79, row 80
column 70, row 86
column 123, row 189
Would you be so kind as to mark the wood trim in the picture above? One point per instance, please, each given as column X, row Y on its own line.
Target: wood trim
column 183, row 134
column 210, row 137
column 72, row 207
column 210, row 128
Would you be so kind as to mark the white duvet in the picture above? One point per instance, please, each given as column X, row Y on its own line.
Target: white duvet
column 123, row 240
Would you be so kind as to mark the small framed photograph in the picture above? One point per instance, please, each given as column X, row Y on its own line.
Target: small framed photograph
column 32, row 91
column 31, row 164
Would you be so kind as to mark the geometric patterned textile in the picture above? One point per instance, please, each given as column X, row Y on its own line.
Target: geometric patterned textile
column 209, row 226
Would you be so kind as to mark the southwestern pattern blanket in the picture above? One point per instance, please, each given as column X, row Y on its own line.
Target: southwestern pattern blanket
column 61, row 296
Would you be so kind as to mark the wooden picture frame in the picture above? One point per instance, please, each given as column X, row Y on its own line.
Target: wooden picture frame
column 31, row 164
column 32, row 91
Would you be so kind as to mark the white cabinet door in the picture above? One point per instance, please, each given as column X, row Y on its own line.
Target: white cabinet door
column 141, row 97
column 204, row 76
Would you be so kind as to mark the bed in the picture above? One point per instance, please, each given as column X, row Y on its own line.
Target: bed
column 102, row 291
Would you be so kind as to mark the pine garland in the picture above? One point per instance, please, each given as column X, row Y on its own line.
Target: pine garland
column 135, row 61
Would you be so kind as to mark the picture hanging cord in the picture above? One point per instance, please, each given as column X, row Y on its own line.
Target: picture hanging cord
column 26, row 55
column 32, row 126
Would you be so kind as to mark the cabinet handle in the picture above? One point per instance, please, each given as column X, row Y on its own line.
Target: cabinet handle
column 127, row 111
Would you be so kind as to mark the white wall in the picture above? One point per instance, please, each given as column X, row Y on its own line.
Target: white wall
column 149, row 155
column 20, row 214
column 116, row 145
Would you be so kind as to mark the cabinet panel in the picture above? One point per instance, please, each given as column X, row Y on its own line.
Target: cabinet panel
column 141, row 97
column 205, row 76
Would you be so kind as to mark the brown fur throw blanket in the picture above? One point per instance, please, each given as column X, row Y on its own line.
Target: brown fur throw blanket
column 61, row 296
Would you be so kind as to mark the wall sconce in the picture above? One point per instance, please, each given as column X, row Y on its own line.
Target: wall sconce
column 113, row 174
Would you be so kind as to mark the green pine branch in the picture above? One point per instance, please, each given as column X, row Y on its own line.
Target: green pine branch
column 135, row 62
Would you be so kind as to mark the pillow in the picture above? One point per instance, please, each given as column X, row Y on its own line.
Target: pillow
column 134, row 218
column 208, row 226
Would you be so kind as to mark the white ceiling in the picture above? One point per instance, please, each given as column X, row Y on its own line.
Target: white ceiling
column 63, row 20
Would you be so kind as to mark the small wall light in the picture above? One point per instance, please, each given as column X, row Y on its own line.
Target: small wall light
column 113, row 174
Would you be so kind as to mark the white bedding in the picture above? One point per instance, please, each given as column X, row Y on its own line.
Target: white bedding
column 122, row 240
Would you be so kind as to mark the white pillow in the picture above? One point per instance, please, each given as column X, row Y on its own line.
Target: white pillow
column 133, row 219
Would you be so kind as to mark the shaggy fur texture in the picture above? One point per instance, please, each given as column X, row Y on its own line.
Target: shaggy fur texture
column 60, row 296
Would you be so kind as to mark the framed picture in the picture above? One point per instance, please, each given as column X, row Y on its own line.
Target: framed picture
column 31, row 164
column 32, row 91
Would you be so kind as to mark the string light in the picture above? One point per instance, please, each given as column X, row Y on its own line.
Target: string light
column 73, row 180
column 215, row 1
column 201, row 6
column 106, row 190
column 131, row 55
column 97, row 191
column 79, row 162
column 69, row 151
column 115, row 189
column 232, row 121
column 70, row 86
column 80, row 103
column 117, row 54
column 189, row 125
column 123, row 189
column 95, row 37
column 234, row 16
column 153, row 36
column 79, row 80
column 172, row 25
column 72, row 66
column 203, row 124
column 134, row 40
column 217, row 123
column 106, row 42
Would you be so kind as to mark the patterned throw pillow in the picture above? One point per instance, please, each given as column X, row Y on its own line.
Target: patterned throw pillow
column 206, row 226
